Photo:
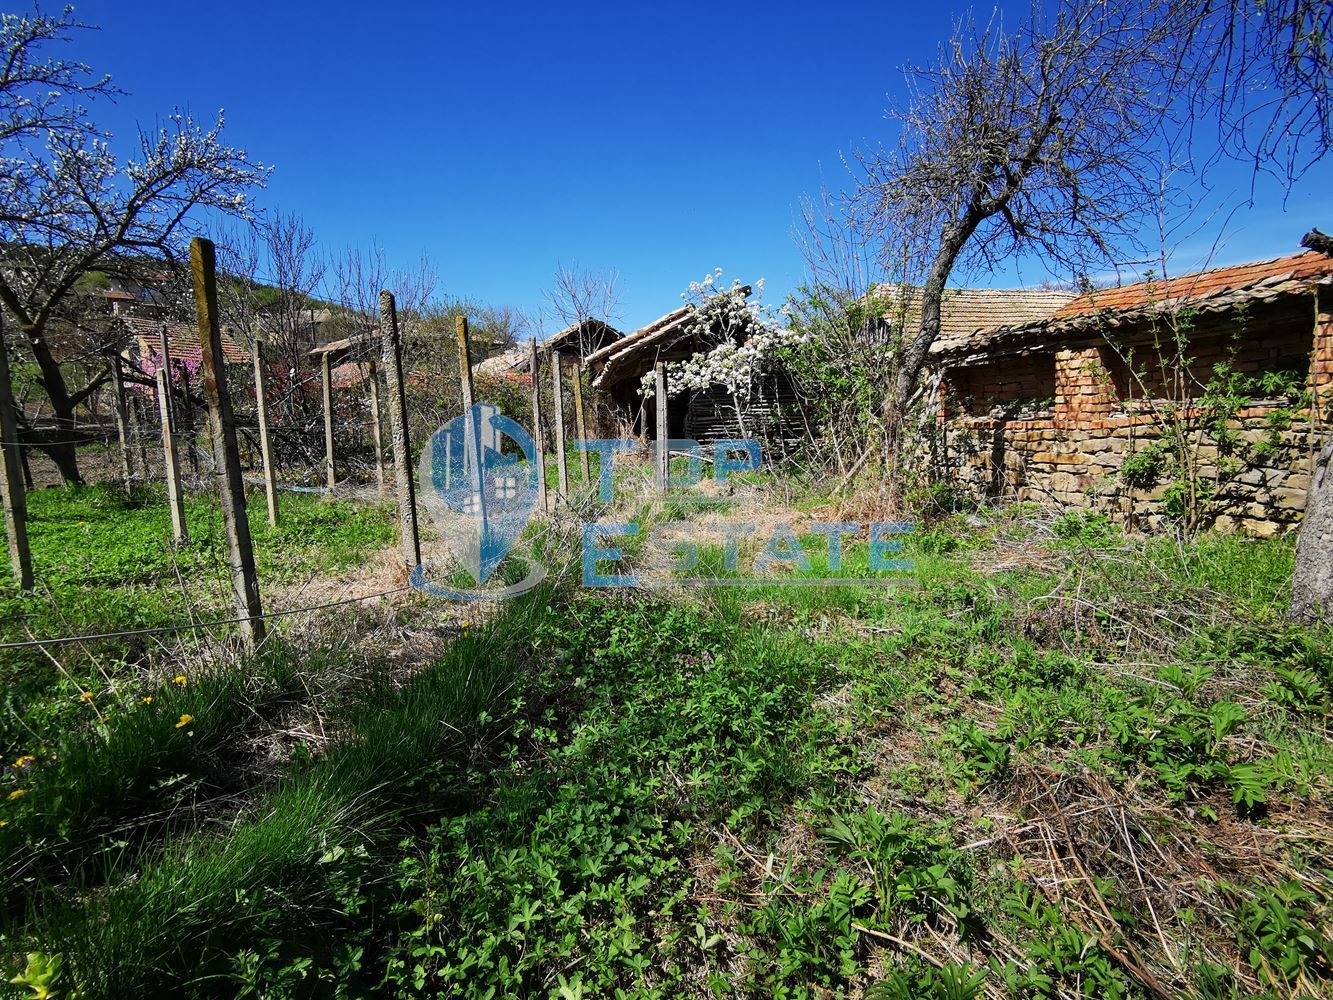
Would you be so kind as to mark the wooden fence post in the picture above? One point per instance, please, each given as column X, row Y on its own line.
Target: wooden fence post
column 137, row 421
column 122, row 421
column 464, row 362
column 539, row 450
column 265, row 446
column 179, row 530
column 392, row 359
column 11, row 464
column 472, row 449
column 326, row 372
column 226, row 454
column 663, row 425
column 580, row 425
column 376, row 426
column 558, row 393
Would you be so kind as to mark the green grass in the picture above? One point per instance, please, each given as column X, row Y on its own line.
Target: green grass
column 750, row 792
column 106, row 564
column 197, row 902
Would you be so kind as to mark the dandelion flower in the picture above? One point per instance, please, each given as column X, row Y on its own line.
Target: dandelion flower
column 86, row 696
column 464, row 624
column 179, row 679
column 185, row 721
column 24, row 761
column 148, row 699
column 17, row 793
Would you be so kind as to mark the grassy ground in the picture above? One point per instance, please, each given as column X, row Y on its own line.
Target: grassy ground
column 1063, row 764
column 105, row 564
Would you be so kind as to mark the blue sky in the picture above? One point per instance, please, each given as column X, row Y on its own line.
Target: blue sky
column 503, row 139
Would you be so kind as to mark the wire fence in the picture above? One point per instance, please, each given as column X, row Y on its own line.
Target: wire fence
column 324, row 407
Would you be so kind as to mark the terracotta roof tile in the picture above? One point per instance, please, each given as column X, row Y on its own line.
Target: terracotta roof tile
column 1215, row 292
column 1309, row 264
column 182, row 340
column 964, row 311
column 348, row 374
column 513, row 360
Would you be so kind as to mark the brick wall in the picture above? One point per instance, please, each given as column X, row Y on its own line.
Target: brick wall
column 985, row 389
column 1073, row 456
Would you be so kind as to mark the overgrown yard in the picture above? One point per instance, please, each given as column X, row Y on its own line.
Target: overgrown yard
column 1066, row 763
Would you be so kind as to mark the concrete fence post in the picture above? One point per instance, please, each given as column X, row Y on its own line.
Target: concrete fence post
column 376, row 424
column 175, row 499
column 122, row 420
column 391, row 358
column 326, row 375
column 558, row 401
column 663, row 429
column 539, row 446
column 265, row 446
column 226, row 453
column 580, row 422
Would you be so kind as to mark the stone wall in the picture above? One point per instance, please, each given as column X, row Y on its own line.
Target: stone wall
column 1073, row 455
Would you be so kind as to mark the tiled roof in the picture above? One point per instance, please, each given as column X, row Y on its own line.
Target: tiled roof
column 592, row 333
column 513, row 360
column 635, row 352
column 364, row 343
column 348, row 374
column 1309, row 264
column 182, row 340
column 1216, row 292
column 964, row 311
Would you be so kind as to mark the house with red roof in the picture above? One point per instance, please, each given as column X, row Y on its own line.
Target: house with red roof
column 1219, row 383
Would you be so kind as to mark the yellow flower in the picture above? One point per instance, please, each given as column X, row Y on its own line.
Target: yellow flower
column 17, row 793
column 179, row 679
column 185, row 721
column 86, row 696
column 4, row 822
column 148, row 699
column 464, row 624
column 23, row 761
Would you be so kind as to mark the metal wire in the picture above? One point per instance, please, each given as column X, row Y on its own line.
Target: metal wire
column 60, row 640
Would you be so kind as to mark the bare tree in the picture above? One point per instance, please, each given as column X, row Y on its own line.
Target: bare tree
column 1037, row 141
column 852, row 341
column 497, row 329
column 1257, row 76
column 69, row 206
column 583, row 299
column 290, row 310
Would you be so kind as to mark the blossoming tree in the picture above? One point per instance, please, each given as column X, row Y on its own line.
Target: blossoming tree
column 743, row 341
column 72, row 206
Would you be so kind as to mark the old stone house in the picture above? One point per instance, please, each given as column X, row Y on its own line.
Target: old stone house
column 1217, row 385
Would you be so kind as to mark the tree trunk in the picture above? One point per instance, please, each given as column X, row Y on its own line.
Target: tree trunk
column 1312, row 583
column 63, row 452
column 915, row 351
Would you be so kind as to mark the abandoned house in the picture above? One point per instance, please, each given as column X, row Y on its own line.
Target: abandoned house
column 574, row 342
column 1091, row 405
column 771, row 412
column 146, row 338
